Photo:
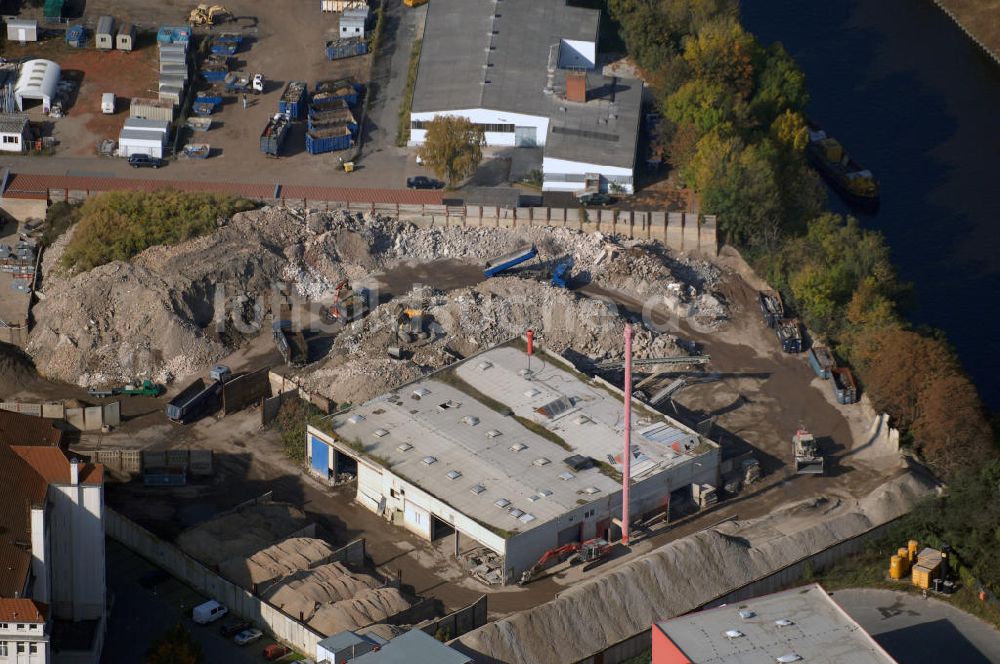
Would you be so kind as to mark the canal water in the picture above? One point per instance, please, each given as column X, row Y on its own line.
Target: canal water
column 917, row 102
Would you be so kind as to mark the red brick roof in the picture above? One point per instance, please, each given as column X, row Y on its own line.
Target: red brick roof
column 22, row 610
column 19, row 429
column 23, row 185
column 52, row 465
column 20, row 488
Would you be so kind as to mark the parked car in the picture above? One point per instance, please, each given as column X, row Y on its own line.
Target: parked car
column 275, row 651
column 248, row 636
column 208, row 612
column 153, row 578
column 234, row 628
column 596, row 199
column 423, row 182
column 144, row 161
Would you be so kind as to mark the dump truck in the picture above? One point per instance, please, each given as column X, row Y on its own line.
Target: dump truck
column 291, row 343
column 274, row 134
column 821, row 360
column 503, row 263
column 807, row 458
column 845, row 388
column 771, row 308
column 789, row 334
column 194, row 401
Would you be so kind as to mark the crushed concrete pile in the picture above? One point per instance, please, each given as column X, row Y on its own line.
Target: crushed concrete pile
column 307, row 590
column 153, row 316
column 241, row 532
column 369, row 606
column 16, row 370
column 276, row 562
column 682, row 576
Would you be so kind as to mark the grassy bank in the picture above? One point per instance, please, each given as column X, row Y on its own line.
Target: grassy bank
column 403, row 131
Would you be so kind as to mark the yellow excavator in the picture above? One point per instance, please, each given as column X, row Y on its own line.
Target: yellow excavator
column 208, row 15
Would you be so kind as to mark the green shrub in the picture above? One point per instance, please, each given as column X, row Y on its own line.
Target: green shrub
column 58, row 219
column 403, row 132
column 120, row 225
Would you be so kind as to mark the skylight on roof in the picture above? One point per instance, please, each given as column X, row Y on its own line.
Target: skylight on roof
column 532, row 393
column 404, row 447
column 541, row 461
column 783, row 622
column 484, row 365
column 733, row 633
column 429, row 460
column 355, row 419
column 380, row 433
column 493, row 433
column 421, row 392
column 454, row 474
column 471, row 420
column 478, row 489
column 526, row 518
column 544, row 493
column 501, row 503
column 591, row 490
column 566, row 476
column 516, row 513
column 517, row 447
column 583, row 419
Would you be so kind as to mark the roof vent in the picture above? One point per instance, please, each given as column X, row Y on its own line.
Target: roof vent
column 493, row 433
column 421, row 392
column 404, row 447
column 746, row 614
column 517, row 447
column 478, row 489
column 484, row 365
column 566, row 476
column 516, row 513
column 541, row 461
column 501, row 503
column 583, row 419
column 526, row 518
column 355, row 419
column 783, row 622
column 429, row 460
column 591, row 490
column 454, row 474
column 471, row 420
column 544, row 493
column 532, row 393
column 380, row 433
column 733, row 634
column 789, row 658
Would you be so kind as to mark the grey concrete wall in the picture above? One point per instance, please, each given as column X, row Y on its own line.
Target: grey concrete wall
column 240, row 602
column 245, row 391
column 92, row 418
column 459, row 622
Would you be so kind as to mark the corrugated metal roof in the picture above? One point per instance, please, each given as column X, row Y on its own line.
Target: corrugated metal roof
column 13, row 123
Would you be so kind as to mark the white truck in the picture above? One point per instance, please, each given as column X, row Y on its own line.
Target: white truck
column 208, row 612
column 108, row 103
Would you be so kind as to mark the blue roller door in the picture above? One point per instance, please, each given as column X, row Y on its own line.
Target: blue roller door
column 320, row 456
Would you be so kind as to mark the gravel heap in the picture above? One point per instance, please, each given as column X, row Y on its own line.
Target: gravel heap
column 305, row 591
column 366, row 608
column 276, row 562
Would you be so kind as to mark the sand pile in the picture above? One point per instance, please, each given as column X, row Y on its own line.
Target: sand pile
column 369, row 606
column 305, row 591
column 684, row 575
column 276, row 562
column 242, row 532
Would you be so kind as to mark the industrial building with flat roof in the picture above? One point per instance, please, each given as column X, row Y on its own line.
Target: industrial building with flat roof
column 797, row 625
column 520, row 454
column 525, row 70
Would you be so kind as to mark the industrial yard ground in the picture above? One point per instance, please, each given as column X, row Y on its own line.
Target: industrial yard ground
column 285, row 42
column 757, row 396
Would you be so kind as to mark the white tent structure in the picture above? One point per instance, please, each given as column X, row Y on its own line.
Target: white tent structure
column 39, row 79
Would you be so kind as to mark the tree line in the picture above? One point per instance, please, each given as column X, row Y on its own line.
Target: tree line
column 734, row 130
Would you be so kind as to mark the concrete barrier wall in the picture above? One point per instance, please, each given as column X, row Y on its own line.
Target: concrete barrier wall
column 240, row 602
column 92, row 418
column 244, row 391
column 459, row 622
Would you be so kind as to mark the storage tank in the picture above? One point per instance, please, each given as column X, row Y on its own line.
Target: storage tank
column 912, row 550
column 896, row 568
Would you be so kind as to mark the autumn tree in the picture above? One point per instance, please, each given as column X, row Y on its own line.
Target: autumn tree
column 175, row 647
column 453, row 147
column 950, row 430
column 779, row 85
column 722, row 53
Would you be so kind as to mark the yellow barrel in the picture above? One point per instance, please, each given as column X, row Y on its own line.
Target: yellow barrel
column 912, row 550
column 904, row 559
column 896, row 568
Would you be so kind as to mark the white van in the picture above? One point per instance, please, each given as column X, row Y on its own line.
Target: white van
column 108, row 103
column 208, row 612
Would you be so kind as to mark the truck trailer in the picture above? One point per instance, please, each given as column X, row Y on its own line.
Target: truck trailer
column 507, row 261
column 273, row 136
column 821, row 360
column 195, row 400
column 291, row 343
column 789, row 334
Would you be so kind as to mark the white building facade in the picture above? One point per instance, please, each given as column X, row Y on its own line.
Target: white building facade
column 24, row 632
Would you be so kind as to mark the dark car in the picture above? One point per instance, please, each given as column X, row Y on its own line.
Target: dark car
column 596, row 199
column 234, row 628
column 144, row 161
column 153, row 578
column 423, row 182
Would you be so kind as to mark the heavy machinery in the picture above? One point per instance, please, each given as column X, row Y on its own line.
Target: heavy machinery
column 414, row 3
column 413, row 326
column 807, row 458
column 137, row 388
column 208, row 15
column 348, row 304
column 577, row 553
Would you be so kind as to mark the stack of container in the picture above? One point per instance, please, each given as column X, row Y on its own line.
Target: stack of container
column 173, row 43
column 19, row 261
column 293, row 100
column 215, row 68
column 226, row 44
column 328, row 92
column 330, row 127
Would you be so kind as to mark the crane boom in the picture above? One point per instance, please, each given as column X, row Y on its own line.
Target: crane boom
column 651, row 361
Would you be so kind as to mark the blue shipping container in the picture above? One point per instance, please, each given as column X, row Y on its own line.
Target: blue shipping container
column 346, row 48
column 214, row 75
column 293, row 100
column 322, row 144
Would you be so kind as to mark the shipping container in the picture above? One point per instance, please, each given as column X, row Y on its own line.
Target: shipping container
column 125, row 39
column 789, row 334
column 341, row 117
column 76, row 36
column 821, row 360
column 330, row 92
column 845, row 388
column 227, row 44
column 273, row 136
column 293, row 100
column 177, row 48
column 214, row 73
column 151, row 109
column 173, row 58
column 329, row 139
column 771, row 308
column 346, row 48
column 174, row 34
column 22, row 30
column 164, row 477
column 171, row 93
column 104, row 36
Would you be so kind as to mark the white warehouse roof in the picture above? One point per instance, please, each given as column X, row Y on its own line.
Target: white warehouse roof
column 38, row 80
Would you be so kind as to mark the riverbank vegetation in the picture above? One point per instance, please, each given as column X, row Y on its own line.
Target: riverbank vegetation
column 734, row 130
